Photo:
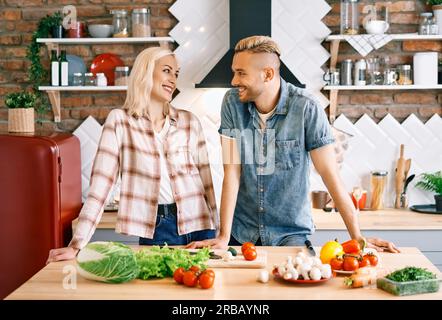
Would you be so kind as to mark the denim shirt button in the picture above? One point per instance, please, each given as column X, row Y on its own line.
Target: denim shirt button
column 261, row 208
column 261, row 190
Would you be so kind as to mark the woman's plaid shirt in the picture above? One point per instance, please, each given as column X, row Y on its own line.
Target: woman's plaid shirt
column 128, row 149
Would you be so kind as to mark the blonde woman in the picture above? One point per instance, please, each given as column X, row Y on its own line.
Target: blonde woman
column 160, row 154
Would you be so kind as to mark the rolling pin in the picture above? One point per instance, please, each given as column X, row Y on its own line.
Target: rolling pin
column 400, row 177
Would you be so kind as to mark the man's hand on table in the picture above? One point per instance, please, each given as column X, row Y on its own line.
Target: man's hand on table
column 61, row 254
column 381, row 245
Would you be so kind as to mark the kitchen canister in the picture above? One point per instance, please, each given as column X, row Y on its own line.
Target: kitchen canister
column 425, row 68
column 346, row 72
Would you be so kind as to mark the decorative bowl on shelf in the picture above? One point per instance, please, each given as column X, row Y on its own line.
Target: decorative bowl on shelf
column 76, row 65
column 106, row 63
column 100, row 30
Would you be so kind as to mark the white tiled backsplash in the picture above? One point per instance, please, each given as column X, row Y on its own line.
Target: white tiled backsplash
column 377, row 146
column 203, row 37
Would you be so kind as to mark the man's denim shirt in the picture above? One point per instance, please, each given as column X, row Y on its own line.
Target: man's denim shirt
column 273, row 202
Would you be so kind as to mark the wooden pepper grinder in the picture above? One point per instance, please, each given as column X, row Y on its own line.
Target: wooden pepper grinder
column 401, row 172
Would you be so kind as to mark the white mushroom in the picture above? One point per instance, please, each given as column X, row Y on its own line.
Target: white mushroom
column 315, row 273
column 326, row 271
column 287, row 275
column 227, row 256
column 295, row 274
column 298, row 261
column 305, row 268
column 301, row 254
column 281, row 269
column 263, row 276
column 317, row 262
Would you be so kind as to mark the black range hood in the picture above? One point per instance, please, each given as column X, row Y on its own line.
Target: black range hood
column 247, row 18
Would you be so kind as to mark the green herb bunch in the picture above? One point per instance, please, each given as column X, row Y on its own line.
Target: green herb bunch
column 411, row 274
column 21, row 100
column 431, row 182
column 434, row 2
column 37, row 74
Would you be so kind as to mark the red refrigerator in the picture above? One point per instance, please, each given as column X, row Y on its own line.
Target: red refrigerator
column 40, row 195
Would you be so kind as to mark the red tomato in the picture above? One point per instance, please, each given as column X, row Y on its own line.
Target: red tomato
column 178, row 275
column 209, row 272
column 195, row 269
column 190, row 279
column 350, row 263
column 247, row 245
column 250, row 254
column 364, row 262
column 336, row 263
column 206, row 280
column 373, row 259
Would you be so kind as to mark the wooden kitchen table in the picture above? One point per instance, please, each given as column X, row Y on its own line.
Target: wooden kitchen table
column 230, row 284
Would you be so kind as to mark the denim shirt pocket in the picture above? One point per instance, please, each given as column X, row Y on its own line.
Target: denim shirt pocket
column 182, row 162
column 287, row 154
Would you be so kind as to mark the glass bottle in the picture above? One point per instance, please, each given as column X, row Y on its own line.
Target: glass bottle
column 120, row 23
column 55, row 69
column 378, row 189
column 141, row 22
column 425, row 23
column 349, row 17
column 64, row 69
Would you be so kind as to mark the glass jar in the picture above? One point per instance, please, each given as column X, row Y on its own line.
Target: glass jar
column 378, row 188
column 349, row 17
column 101, row 80
column 120, row 23
column 434, row 29
column 404, row 74
column 121, row 76
column 425, row 23
column 89, row 79
column 141, row 22
column 77, row 79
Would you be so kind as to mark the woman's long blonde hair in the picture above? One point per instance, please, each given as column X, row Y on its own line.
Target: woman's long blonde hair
column 140, row 81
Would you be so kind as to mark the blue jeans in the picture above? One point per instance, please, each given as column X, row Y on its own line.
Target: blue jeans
column 166, row 230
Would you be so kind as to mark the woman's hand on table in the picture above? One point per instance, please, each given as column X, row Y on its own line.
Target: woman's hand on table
column 381, row 245
column 216, row 243
column 61, row 254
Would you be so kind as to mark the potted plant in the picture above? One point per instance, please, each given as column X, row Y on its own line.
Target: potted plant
column 436, row 5
column 21, row 111
column 432, row 182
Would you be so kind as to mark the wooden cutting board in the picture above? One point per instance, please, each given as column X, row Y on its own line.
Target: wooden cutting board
column 238, row 261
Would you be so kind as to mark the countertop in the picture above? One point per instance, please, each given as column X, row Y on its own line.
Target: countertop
column 387, row 219
column 230, row 284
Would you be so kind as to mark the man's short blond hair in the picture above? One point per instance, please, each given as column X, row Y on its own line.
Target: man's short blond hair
column 258, row 44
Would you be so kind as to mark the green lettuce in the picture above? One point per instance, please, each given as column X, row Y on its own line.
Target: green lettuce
column 160, row 262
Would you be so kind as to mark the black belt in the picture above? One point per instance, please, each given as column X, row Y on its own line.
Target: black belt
column 169, row 208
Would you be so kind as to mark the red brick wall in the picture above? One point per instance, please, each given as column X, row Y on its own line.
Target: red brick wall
column 404, row 18
column 19, row 18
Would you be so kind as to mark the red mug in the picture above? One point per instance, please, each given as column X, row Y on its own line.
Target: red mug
column 77, row 30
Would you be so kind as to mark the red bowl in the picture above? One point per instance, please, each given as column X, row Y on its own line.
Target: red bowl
column 106, row 63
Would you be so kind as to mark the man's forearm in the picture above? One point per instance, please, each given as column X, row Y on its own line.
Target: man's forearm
column 228, row 199
column 346, row 209
column 325, row 163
